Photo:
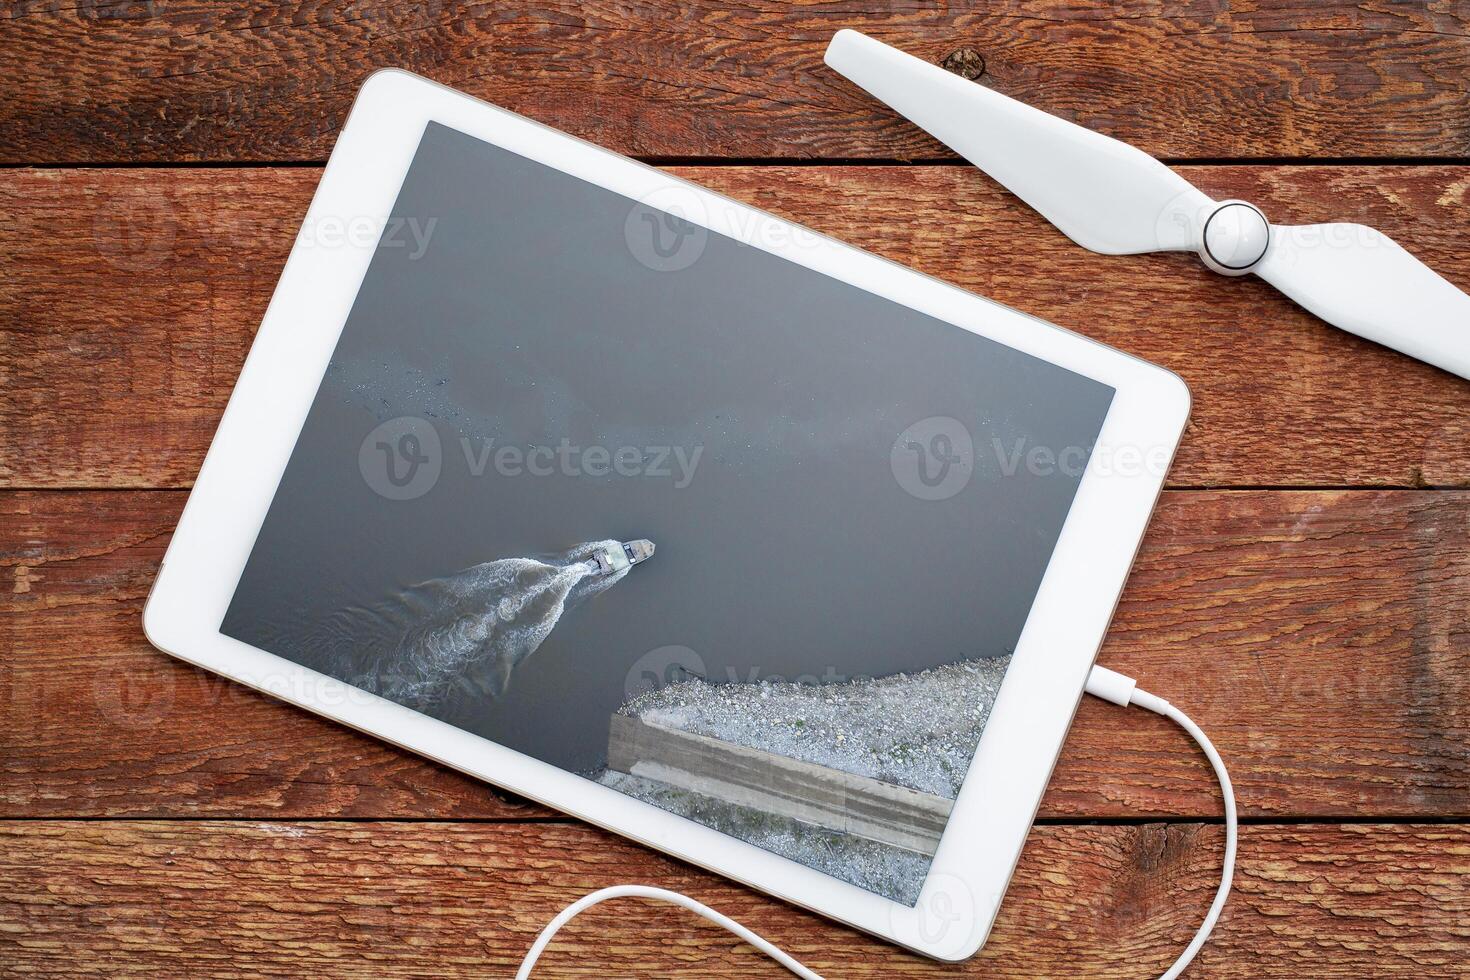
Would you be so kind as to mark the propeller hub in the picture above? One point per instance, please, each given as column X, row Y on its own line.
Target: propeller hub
column 1235, row 238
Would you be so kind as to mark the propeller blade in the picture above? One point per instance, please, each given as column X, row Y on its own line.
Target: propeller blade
column 1359, row 279
column 1103, row 194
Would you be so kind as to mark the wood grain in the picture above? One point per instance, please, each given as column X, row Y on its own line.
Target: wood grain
column 1319, row 637
column 135, row 80
column 128, row 299
column 203, row 899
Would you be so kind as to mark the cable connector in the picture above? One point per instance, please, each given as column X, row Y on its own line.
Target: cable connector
column 1123, row 691
column 1111, row 686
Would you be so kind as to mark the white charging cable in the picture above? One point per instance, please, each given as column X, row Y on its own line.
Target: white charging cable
column 1102, row 683
column 658, row 895
column 1122, row 690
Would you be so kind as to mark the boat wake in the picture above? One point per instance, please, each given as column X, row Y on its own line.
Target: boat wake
column 467, row 631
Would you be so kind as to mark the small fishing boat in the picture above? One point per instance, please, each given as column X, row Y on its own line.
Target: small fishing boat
column 615, row 558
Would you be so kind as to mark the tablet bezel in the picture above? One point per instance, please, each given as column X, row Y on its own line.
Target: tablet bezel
column 1037, row 700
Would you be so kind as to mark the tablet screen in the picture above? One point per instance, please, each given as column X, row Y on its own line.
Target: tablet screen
column 664, row 510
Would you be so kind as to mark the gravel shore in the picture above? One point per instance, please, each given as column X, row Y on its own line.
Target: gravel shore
column 915, row 730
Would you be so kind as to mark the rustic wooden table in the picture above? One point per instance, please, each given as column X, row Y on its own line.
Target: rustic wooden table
column 1304, row 591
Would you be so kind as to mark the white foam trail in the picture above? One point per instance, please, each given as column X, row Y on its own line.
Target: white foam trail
column 469, row 630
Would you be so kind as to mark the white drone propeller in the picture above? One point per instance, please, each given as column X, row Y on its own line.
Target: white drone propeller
column 1109, row 197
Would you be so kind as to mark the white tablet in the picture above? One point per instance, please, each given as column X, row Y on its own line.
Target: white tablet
column 667, row 513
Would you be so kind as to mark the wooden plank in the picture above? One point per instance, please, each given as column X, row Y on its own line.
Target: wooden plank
column 128, row 300
column 141, row 81
column 817, row 795
column 1318, row 636
column 206, row 899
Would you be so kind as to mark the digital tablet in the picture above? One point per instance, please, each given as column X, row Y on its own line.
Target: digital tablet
column 672, row 515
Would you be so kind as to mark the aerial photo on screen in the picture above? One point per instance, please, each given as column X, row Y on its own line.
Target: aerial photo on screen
column 744, row 542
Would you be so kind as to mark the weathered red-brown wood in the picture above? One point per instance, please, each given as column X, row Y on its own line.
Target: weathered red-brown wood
column 1318, row 636
column 128, row 299
column 175, row 898
column 124, row 81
